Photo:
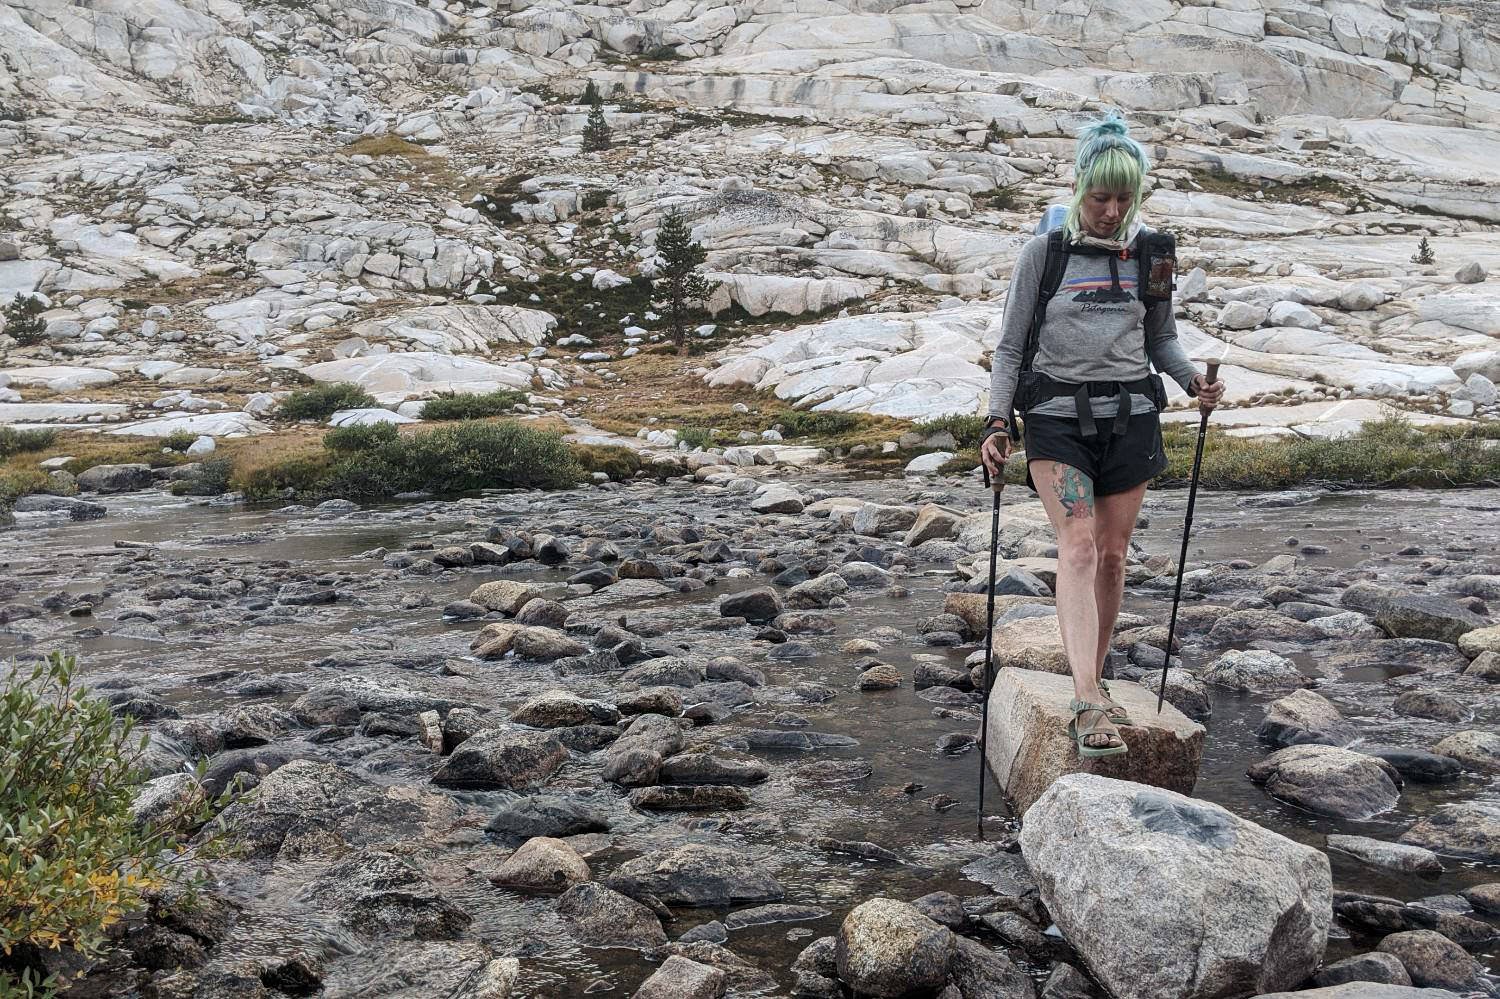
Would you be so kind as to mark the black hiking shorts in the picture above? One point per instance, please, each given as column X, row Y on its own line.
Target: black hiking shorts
column 1114, row 462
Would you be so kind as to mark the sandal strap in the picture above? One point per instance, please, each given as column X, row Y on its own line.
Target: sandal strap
column 1081, row 708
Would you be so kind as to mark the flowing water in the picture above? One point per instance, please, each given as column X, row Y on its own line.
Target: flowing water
column 892, row 788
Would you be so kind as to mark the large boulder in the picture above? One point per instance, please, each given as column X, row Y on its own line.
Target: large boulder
column 1330, row 781
column 1468, row 829
column 888, row 948
column 602, row 917
column 1406, row 615
column 1168, row 897
column 115, row 478
column 542, row 864
column 1431, row 959
column 1029, row 748
column 502, row 759
column 504, row 595
column 680, row 978
column 1303, row 716
column 701, row 876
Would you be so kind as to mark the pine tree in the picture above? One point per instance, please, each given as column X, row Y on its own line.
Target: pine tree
column 596, row 132
column 23, row 320
column 678, row 258
column 591, row 95
column 1424, row 254
column 993, row 134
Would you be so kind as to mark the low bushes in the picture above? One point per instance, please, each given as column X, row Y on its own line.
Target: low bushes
column 322, row 401
column 472, row 405
column 965, row 429
column 14, row 441
column 75, row 861
column 378, row 462
column 799, row 423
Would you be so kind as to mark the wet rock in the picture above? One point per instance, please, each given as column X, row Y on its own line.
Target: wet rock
column 1485, row 898
column 541, row 864
column 680, row 978
column 1029, row 748
column 667, row 671
column 705, row 768
column 878, row 519
column 881, row 676
column 712, row 931
column 700, row 875
column 1376, row 967
column 1378, row 915
column 763, row 915
column 1185, row 692
column 696, row 798
column 544, row 645
column 819, row 592
column 1431, row 959
column 115, row 478
column 1329, row 781
column 978, row 972
column 379, row 894
column 548, row 815
column 1264, row 625
column 602, row 917
column 558, row 708
column 1169, row 897
column 857, row 848
column 1470, row 830
column 943, row 907
column 76, row 509
column 504, row 595
column 326, row 707
column 166, row 796
column 1256, row 671
column 1431, row 705
column 1415, row 764
column 158, row 948
column 1067, row 982
column 500, row 759
column 497, row 980
column 1405, row 615
column 652, row 701
column 1486, row 666
column 1390, row 856
column 1304, row 717
column 242, row 767
column 888, row 948
column 757, row 606
column 1479, row 640
column 955, row 743
column 1476, row 750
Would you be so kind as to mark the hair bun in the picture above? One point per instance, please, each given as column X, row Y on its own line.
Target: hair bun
column 1113, row 125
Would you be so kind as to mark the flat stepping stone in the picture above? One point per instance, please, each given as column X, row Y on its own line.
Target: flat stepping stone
column 1029, row 746
column 763, row 915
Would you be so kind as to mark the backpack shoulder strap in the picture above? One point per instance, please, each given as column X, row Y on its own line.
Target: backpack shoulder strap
column 1052, row 275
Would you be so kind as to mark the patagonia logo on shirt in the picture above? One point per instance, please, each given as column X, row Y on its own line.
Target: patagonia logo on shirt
column 1101, row 289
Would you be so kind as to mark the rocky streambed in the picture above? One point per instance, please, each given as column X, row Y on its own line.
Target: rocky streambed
column 592, row 730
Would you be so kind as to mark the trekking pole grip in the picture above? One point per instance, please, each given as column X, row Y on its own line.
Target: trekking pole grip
column 1210, row 376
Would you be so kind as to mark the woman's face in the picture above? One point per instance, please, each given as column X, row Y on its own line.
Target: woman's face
column 1102, row 211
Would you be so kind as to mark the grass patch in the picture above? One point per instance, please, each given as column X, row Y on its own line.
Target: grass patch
column 619, row 463
column 322, row 401
column 178, row 440
column 696, row 437
column 472, row 405
column 374, row 463
column 581, row 309
column 384, row 145
column 13, row 442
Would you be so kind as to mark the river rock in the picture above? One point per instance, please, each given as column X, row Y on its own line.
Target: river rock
column 544, row 815
column 1029, row 748
column 680, row 978
column 1363, row 990
column 1185, row 692
column 818, row 592
column 558, row 708
column 694, row 798
column 115, row 478
column 1469, row 829
column 504, row 595
column 1406, row 615
column 378, row 894
column 543, row 614
column 1486, row 666
column 1391, row 856
column 1168, row 897
column 1303, row 716
column 1415, row 764
column 502, row 759
column 1263, row 625
column 1431, row 705
column 980, row 972
column 602, row 917
column 1033, row 643
column 888, row 948
column 1476, row 750
column 544, row 645
column 1329, row 781
column 700, row 875
column 705, row 768
column 1431, row 959
column 1485, row 898
column 1478, row 641
column 542, row 864
column 1374, row 968
column 758, row 606
column 498, row 979
column 1256, row 671
column 879, row 519
column 933, row 523
column 494, row 640
column 778, row 498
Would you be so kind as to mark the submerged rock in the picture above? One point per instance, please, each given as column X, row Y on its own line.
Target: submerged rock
column 1329, row 781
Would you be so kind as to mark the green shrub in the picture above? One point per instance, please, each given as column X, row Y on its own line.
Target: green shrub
column 212, row 479
column 14, row 441
column 472, row 405
column 1424, row 254
column 800, row 423
column 75, row 860
column 23, row 320
column 360, row 438
column 322, row 401
column 179, row 440
column 595, row 199
column 619, row 463
column 965, row 429
column 696, row 437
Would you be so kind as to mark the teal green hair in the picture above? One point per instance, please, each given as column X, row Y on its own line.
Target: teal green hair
column 1110, row 160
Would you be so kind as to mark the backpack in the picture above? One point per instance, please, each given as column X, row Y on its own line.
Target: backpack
column 1155, row 254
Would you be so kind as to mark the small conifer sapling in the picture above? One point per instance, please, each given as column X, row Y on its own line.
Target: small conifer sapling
column 678, row 259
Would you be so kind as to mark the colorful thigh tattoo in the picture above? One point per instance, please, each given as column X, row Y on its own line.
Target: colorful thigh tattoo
column 1075, row 491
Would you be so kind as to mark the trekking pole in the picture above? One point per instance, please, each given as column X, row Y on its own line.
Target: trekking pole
column 1187, row 526
column 989, row 632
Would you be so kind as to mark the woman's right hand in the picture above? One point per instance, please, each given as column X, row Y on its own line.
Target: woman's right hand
column 994, row 451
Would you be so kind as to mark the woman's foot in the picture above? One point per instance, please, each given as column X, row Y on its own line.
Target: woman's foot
column 1117, row 713
column 1092, row 730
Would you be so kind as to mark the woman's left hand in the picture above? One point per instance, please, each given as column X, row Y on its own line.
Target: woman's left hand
column 1208, row 393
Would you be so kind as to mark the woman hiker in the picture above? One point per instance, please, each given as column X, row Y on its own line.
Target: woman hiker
column 1076, row 364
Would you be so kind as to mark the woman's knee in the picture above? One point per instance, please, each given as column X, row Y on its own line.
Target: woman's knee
column 1077, row 553
column 1110, row 557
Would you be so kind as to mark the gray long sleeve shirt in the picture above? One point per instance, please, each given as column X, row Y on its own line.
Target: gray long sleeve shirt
column 1096, row 330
